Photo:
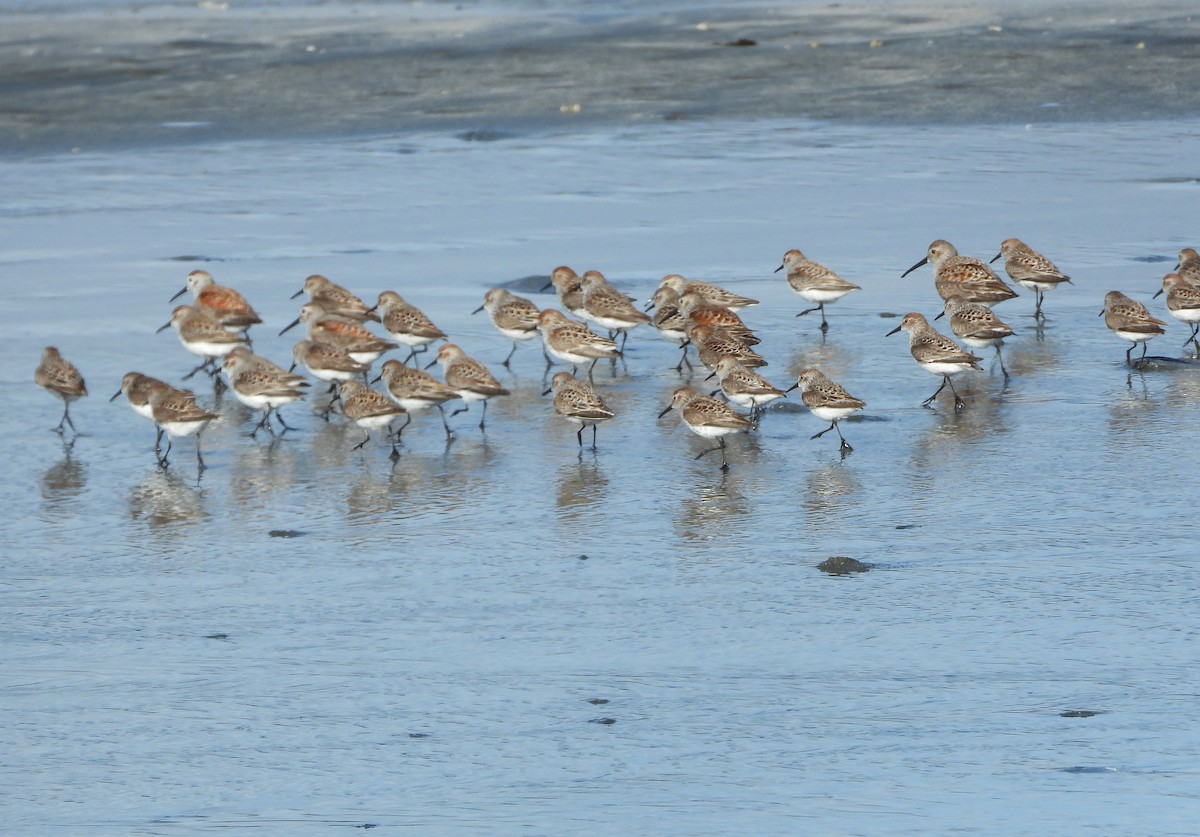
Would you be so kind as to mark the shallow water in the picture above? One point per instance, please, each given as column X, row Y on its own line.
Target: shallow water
column 308, row 637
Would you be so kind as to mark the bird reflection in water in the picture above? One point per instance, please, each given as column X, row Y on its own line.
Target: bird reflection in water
column 165, row 500
column 64, row 482
column 830, row 491
column 714, row 508
column 581, row 487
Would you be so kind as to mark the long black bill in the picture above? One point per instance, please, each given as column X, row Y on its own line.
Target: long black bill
column 893, row 331
column 477, row 310
column 180, row 293
column 291, row 325
column 923, row 261
column 296, row 294
column 664, row 412
column 162, row 328
column 781, row 267
column 998, row 255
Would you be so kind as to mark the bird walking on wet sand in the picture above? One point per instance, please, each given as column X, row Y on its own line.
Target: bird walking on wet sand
column 568, row 287
column 336, row 300
column 965, row 276
column 513, row 316
column 370, row 410
column 1183, row 303
column 1031, row 269
column 415, row 390
column 343, row 333
column 467, row 377
column 814, row 282
column 178, row 414
column 58, row 375
column 828, row 401
column 137, row 389
column 936, row 353
column 224, row 304
column 977, row 326
column 203, row 335
column 714, row 294
column 744, row 387
column 699, row 311
column 709, row 418
column 573, row 342
column 1188, row 267
column 670, row 322
column 262, row 385
column 1128, row 319
column 713, row 343
column 578, row 402
column 407, row 323
column 327, row 363
column 609, row 308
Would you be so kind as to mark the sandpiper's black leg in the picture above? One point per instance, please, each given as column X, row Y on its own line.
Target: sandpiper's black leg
column 929, row 400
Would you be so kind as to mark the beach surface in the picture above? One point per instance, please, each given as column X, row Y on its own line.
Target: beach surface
column 119, row 74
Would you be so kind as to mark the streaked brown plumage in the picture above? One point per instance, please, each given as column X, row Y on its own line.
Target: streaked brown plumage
column 578, row 402
column 407, row 323
column 467, row 377
column 977, row 326
column 713, row 293
column 225, row 304
column 344, row 333
column 513, row 316
column 970, row 278
column 712, row 344
column 336, row 300
column 416, row 390
column 1129, row 320
column 568, row 286
column 58, row 375
column 1031, row 269
column 827, row 400
column 813, row 282
column 369, row 410
column 936, row 353
column 177, row 413
column 707, row 417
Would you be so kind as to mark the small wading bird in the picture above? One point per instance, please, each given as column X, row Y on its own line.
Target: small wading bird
column 707, row 417
column 137, row 389
column 578, row 402
column 1129, row 320
column 936, row 353
column 827, row 401
column 370, row 410
column 513, row 316
column 1031, row 269
column 58, row 375
column 1183, row 303
column 469, row 379
column 814, row 282
column 177, row 413
column 226, row 305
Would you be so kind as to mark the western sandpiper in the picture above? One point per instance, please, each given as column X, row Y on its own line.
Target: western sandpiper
column 177, row 413
column 670, row 321
column 1129, row 320
column 609, row 308
column 814, row 282
column 712, row 344
column 336, row 300
column 407, row 323
column 225, row 304
column 513, row 316
column 578, row 402
column 970, row 278
column 1030, row 268
column 370, row 410
column 1183, row 303
column 344, row 333
column 743, row 387
column 137, row 389
column 713, row 293
column 1188, row 267
column 707, row 417
column 203, row 335
column 468, row 378
column 262, row 385
column 936, row 353
column 828, row 401
column 572, row 342
column 415, row 390
column 58, row 375
column 977, row 326
column 568, row 286
column 700, row 311
column 327, row 363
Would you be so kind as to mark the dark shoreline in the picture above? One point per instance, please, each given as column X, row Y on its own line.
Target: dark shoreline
column 198, row 76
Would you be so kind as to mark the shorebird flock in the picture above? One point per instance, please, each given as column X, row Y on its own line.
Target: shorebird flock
column 340, row 348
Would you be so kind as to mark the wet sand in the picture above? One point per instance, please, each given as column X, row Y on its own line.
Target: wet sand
column 166, row 75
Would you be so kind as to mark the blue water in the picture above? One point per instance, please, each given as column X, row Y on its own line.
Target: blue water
column 307, row 638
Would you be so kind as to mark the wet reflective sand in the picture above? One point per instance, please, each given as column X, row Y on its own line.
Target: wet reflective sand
column 308, row 636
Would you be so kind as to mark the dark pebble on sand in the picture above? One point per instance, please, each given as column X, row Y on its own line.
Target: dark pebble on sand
column 527, row 284
column 286, row 533
column 583, row 557
column 597, row 701
column 841, row 565
column 605, row 721
column 887, row 315
column 742, row 42
column 418, row 735
column 1079, row 768
column 1153, row 259
column 1077, row 713
column 485, row 136
column 217, row 636
column 907, row 526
